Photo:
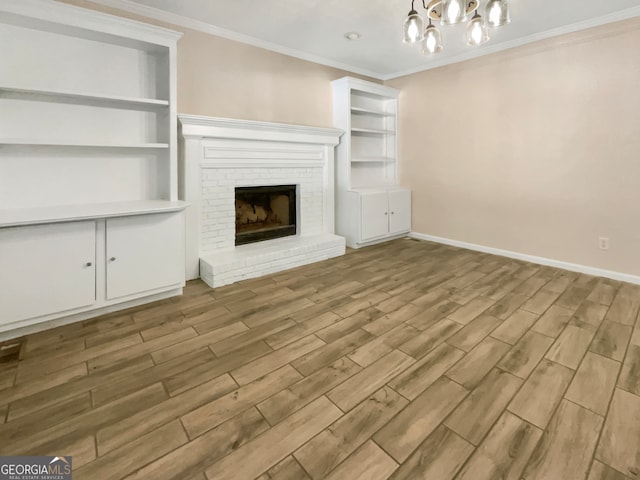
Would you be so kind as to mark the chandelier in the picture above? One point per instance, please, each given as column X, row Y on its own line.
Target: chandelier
column 453, row 12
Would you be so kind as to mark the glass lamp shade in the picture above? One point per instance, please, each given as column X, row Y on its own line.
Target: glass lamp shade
column 413, row 26
column 453, row 11
column 432, row 41
column 477, row 33
column 497, row 13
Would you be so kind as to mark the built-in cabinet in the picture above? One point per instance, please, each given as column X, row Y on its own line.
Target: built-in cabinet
column 370, row 206
column 46, row 269
column 88, row 160
column 133, row 247
column 384, row 213
column 67, row 268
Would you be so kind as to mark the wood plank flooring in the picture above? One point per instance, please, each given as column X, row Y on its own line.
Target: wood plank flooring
column 406, row 360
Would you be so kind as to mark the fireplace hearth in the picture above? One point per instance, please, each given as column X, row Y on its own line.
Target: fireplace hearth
column 265, row 213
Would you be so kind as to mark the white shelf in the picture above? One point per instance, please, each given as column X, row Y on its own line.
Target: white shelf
column 372, row 160
column 372, row 131
column 366, row 111
column 67, row 213
column 55, row 143
column 82, row 98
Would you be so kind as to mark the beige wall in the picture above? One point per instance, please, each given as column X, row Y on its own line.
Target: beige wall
column 534, row 150
column 222, row 78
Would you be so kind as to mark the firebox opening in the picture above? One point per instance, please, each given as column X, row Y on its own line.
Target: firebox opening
column 264, row 213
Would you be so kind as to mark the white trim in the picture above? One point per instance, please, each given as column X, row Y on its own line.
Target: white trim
column 175, row 19
column 186, row 22
column 25, row 328
column 574, row 267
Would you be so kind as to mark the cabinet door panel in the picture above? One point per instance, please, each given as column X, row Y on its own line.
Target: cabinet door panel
column 144, row 253
column 399, row 211
column 46, row 269
column 374, row 218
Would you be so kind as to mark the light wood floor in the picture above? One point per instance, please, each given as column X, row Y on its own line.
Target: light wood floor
column 407, row 360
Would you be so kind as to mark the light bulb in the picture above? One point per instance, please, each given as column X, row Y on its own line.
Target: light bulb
column 477, row 31
column 453, row 11
column 494, row 13
column 432, row 42
column 476, row 34
column 497, row 13
column 413, row 25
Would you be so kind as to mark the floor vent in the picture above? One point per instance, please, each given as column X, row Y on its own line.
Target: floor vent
column 10, row 351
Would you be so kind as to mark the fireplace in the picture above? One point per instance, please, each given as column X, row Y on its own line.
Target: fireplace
column 265, row 212
column 220, row 155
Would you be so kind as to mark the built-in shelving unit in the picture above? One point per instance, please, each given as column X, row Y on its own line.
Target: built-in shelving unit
column 88, row 107
column 367, row 155
column 90, row 219
column 370, row 206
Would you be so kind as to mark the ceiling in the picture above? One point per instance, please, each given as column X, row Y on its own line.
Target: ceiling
column 314, row 29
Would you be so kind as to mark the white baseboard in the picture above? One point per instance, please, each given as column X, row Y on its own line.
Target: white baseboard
column 574, row 267
column 26, row 328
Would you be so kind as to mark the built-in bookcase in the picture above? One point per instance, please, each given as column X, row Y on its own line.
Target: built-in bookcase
column 370, row 120
column 370, row 206
column 88, row 107
column 90, row 219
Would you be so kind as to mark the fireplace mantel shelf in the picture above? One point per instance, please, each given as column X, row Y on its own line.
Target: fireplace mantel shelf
column 195, row 126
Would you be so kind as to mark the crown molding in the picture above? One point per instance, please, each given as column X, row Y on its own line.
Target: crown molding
column 517, row 42
column 172, row 18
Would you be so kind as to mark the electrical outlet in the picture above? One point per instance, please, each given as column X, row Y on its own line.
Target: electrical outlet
column 603, row 243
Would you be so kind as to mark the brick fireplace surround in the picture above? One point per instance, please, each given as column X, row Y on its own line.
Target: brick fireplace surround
column 220, row 154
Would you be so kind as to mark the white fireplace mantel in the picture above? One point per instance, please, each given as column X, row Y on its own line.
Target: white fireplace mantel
column 195, row 126
column 217, row 154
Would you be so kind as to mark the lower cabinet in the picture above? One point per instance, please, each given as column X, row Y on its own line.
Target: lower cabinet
column 374, row 215
column 144, row 253
column 399, row 211
column 68, row 268
column 46, row 269
column 384, row 213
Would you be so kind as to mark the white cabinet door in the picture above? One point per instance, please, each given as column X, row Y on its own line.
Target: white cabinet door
column 46, row 269
column 374, row 215
column 144, row 253
column 399, row 211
